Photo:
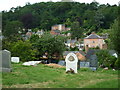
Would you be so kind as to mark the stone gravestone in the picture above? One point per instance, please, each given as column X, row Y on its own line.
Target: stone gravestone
column 15, row 59
column 6, row 63
column 71, row 62
column 93, row 62
column 84, row 64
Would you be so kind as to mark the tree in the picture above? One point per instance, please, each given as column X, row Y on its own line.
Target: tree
column 24, row 50
column 50, row 44
column 76, row 30
column 114, row 35
column 12, row 28
column 115, row 39
column 106, row 59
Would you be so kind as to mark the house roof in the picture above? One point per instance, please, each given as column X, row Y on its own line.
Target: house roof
column 91, row 52
column 71, row 41
column 93, row 36
column 56, row 31
column 113, row 53
column 40, row 32
column 65, row 53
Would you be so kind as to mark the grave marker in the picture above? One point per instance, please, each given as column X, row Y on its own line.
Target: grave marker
column 15, row 59
column 6, row 63
column 71, row 62
column 93, row 62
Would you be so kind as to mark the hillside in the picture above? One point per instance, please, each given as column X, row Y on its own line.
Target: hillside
column 91, row 17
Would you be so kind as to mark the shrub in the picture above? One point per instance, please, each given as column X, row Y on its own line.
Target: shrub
column 117, row 63
column 106, row 59
column 23, row 50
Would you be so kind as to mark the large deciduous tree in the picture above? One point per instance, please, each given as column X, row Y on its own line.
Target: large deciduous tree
column 115, row 39
column 50, row 44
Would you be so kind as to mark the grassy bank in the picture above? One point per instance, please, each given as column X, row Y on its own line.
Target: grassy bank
column 42, row 76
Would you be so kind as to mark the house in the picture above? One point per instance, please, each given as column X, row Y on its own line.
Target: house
column 79, row 54
column 55, row 32
column 90, row 53
column 71, row 43
column 60, row 27
column 91, row 57
column 93, row 41
column 40, row 33
column 29, row 33
column 113, row 53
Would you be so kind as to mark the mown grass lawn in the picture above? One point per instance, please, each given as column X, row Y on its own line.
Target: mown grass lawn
column 42, row 76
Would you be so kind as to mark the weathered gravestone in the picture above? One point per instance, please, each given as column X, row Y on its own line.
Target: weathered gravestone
column 93, row 62
column 84, row 64
column 71, row 62
column 15, row 59
column 6, row 63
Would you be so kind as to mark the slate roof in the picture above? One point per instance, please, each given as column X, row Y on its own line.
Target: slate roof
column 91, row 52
column 112, row 52
column 71, row 41
column 93, row 36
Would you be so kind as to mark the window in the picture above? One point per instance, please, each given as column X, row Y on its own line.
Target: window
column 93, row 41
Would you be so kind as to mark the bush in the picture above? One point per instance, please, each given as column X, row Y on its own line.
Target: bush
column 23, row 50
column 117, row 63
column 106, row 59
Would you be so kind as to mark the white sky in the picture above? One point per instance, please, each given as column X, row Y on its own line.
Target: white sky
column 7, row 4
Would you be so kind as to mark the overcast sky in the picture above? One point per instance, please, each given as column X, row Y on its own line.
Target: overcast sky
column 7, row 4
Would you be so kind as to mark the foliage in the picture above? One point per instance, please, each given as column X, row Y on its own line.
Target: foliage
column 12, row 28
column 117, row 63
column 23, row 50
column 43, row 15
column 105, row 59
column 115, row 39
column 76, row 30
column 34, row 38
column 114, row 36
column 74, row 49
column 50, row 44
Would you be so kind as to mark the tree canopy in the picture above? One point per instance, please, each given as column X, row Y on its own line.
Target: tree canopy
column 43, row 15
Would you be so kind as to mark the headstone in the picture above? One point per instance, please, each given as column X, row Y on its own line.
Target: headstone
column 15, row 59
column 93, row 61
column 61, row 62
column 93, row 68
column 6, row 63
column 31, row 63
column 71, row 62
column 84, row 64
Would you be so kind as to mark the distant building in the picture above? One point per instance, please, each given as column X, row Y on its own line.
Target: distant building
column 79, row 54
column 93, row 41
column 40, row 33
column 60, row 27
column 71, row 43
column 57, row 29
column 55, row 32
column 29, row 33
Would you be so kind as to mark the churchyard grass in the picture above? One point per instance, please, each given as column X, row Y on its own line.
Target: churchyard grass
column 42, row 76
